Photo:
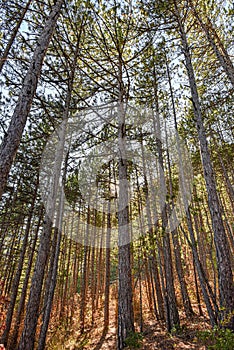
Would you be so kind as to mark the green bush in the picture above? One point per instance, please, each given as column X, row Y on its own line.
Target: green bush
column 178, row 330
column 217, row 339
column 134, row 341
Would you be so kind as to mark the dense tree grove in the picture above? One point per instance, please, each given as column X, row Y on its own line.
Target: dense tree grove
column 116, row 169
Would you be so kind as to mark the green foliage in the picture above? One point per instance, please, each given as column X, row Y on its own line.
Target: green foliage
column 217, row 338
column 134, row 340
column 178, row 330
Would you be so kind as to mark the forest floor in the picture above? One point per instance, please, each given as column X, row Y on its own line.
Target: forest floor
column 154, row 335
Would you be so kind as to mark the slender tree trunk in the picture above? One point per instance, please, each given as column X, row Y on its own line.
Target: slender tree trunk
column 153, row 288
column 9, row 267
column 84, row 276
column 16, row 282
column 173, row 317
column 13, row 36
column 216, row 44
column 202, row 279
column 125, row 299
column 107, row 279
column 179, row 268
column 20, row 310
column 197, row 290
column 14, row 133
column 225, row 276
column 32, row 312
column 53, row 275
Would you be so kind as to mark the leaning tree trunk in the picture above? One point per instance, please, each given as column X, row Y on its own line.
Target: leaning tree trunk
column 225, row 276
column 14, row 133
column 20, row 311
column 216, row 44
column 53, row 275
column 32, row 312
column 179, row 268
column 15, row 285
column 5, row 54
column 201, row 275
column 185, row 296
column 54, row 262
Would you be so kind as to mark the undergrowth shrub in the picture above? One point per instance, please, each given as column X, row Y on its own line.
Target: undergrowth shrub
column 217, row 339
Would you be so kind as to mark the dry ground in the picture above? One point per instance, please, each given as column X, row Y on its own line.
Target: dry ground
column 154, row 334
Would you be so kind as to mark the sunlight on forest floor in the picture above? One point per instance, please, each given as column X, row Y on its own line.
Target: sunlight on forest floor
column 155, row 335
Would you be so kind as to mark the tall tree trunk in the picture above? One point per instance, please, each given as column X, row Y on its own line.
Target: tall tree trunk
column 173, row 316
column 198, row 265
column 20, row 310
column 53, row 276
column 179, row 268
column 225, row 276
column 16, row 282
column 108, row 239
column 125, row 299
column 14, row 133
column 32, row 312
column 84, row 275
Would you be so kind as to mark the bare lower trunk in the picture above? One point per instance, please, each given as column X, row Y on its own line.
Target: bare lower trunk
column 17, row 277
column 125, row 306
column 21, row 307
column 107, row 276
column 170, row 297
column 53, row 280
column 32, row 312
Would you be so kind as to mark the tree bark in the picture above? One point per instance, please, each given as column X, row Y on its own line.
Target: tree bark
column 53, row 275
column 32, row 312
column 225, row 276
column 16, row 281
column 13, row 36
column 125, row 306
column 20, row 310
column 170, row 298
column 14, row 133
